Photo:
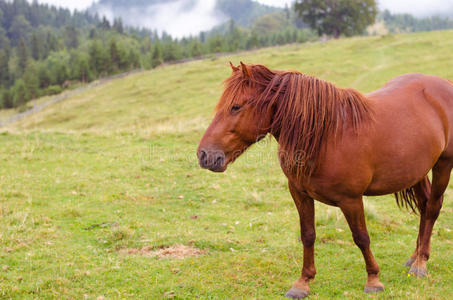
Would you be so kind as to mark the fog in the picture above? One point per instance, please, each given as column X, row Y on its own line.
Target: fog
column 419, row 8
column 178, row 18
column 188, row 17
column 78, row 4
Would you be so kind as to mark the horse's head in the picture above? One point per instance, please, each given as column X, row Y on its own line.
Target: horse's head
column 238, row 122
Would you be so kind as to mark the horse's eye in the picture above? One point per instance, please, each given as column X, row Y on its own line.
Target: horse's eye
column 235, row 108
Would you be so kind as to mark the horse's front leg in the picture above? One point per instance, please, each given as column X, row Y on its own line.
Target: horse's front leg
column 306, row 209
column 352, row 209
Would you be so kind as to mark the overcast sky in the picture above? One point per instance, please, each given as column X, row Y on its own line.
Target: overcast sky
column 416, row 7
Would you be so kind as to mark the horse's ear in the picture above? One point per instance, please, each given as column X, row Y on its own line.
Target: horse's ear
column 245, row 70
column 234, row 68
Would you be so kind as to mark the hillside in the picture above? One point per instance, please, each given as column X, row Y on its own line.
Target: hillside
column 130, row 105
column 93, row 188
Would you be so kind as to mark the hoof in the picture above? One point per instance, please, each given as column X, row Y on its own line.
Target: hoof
column 373, row 289
column 417, row 272
column 409, row 262
column 295, row 293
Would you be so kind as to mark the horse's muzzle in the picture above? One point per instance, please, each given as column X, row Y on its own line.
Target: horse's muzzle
column 213, row 160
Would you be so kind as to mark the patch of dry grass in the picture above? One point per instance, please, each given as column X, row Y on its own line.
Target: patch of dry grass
column 176, row 251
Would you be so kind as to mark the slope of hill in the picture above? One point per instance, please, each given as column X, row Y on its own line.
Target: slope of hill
column 364, row 63
column 93, row 188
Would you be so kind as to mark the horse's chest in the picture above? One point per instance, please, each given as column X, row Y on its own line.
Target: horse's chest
column 322, row 190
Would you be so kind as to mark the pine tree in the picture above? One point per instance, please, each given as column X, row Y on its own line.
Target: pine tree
column 93, row 33
column 118, row 25
column 35, row 47
column 195, row 48
column 233, row 37
column 215, row 44
column 114, row 56
column 22, row 55
column 20, row 96
column 19, row 30
column 60, row 73
column 7, row 99
column 172, row 51
column 105, row 24
column 157, row 58
column 98, row 58
column 202, row 37
column 81, row 68
column 51, row 44
column 253, row 41
column 4, row 69
column 5, row 45
column 2, row 92
column 44, row 76
column 71, row 37
column 146, row 45
column 123, row 58
column 84, row 70
column 31, row 81
column 134, row 59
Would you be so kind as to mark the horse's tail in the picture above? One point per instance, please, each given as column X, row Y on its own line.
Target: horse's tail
column 415, row 197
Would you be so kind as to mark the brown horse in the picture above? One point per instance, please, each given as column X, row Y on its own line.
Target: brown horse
column 336, row 145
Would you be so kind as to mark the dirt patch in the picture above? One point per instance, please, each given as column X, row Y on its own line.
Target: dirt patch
column 176, row 251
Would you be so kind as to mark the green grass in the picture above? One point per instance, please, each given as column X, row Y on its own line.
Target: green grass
column 123, row 155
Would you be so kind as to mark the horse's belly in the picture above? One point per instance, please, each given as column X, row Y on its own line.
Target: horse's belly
column 402, row 175
column 388, row 189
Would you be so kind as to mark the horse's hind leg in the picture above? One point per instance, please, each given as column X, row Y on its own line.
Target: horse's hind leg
column 422, row 192
column 353, row 211
column 305, row 207
column 441, row 177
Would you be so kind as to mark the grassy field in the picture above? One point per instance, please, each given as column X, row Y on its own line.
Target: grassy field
column 91, row 187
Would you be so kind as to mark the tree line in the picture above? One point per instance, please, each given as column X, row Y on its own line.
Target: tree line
column 397, row 23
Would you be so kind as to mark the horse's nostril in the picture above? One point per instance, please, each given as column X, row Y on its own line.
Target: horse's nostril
column 202, row 154
column 219, row 160
column 211, row 159
column 203, row 158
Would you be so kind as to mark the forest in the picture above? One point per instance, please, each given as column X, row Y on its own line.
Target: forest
column 45, row 49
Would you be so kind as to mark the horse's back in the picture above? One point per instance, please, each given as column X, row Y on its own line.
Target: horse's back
column 406, row 85
column 417, row 97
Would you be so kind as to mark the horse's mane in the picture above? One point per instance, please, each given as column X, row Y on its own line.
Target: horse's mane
column 306, row 110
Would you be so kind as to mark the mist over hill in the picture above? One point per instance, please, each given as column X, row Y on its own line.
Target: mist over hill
column 181, row 17
column 419, row 8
